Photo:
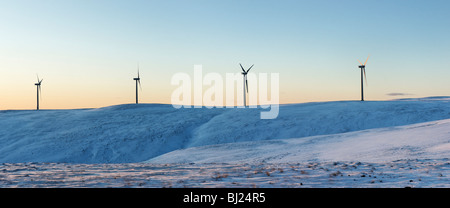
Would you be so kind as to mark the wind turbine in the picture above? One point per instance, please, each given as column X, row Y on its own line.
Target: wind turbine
column 245, row 81
column 363, row 71
column 38, row 90
column 138, row 81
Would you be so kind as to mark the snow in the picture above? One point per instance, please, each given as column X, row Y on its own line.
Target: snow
column 430, row 140
column 400, row 140
column 401, row 173
column 116, row 134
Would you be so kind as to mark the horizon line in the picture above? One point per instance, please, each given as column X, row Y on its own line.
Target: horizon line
column 234, row 106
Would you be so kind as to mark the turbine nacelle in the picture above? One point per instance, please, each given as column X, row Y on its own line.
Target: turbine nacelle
column 245, row 72
column 39, row 81
column 363, row 65
column 138, row 78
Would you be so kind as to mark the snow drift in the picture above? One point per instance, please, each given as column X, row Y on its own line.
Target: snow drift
column 137, row 133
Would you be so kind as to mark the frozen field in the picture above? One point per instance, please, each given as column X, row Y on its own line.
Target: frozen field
column 399, row 143
column 402, row 173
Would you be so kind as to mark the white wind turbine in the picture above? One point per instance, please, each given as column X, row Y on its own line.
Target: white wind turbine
column 38, row 90
column 138, row 81
column 363, row 71
column 245, row 82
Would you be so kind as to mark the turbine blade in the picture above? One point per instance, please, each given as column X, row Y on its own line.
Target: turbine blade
column 40, row 92
column 364, row 71
column 37, row 77
column 246, row 83
column 366, row 60
column 139, row 82
column 40, row 82
column 138, row 69
column 359, row 62
column 250, row 68
column 242, row 67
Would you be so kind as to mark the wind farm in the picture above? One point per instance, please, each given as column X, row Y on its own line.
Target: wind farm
column 176, row 118
column 92, row 144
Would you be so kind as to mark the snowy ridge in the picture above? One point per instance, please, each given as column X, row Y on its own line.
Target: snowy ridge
column 145, row 132
column 429, row 140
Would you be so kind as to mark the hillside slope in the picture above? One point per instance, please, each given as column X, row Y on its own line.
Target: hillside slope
column 136, row 133
column 429, row 140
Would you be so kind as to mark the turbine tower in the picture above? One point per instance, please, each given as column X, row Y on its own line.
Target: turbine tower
column 138, row 81
column 38, row 90
column 363, row 72
column 245, row 81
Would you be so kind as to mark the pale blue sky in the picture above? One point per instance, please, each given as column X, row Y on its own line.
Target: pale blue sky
column 87, row 50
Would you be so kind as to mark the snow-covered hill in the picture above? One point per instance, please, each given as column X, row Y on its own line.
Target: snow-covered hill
column 144, row 132
column 430, row 140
